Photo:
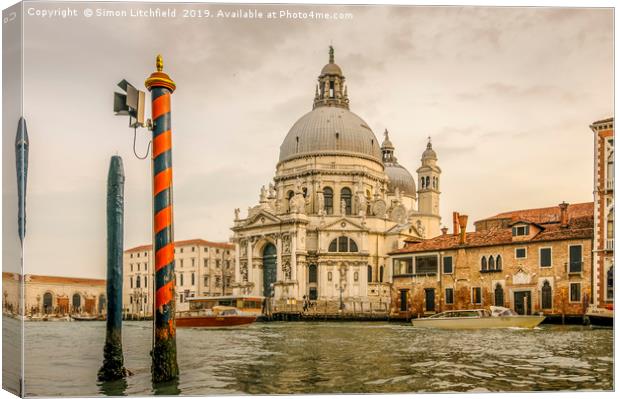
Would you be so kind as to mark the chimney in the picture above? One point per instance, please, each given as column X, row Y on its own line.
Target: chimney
column 444, row 231
column 563, row 214
column 463, row 226
column 455, row 223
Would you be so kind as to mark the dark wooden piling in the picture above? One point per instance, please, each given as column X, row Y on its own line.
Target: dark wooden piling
column 113, row 364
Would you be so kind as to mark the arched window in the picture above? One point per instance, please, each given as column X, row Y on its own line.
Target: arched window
column 381, row 274
column 499, row 294
column 422, row 182
column 498, row 263
column 145, row 285
column 137, row 281
column 491, row 263
column 290, row 194
column 76, row 301
column 328, row 195
column 545, row 295
column 130, row 282
column 345, row 195
column 342, row 244
column 610, row 283
column 428, row 182
column 483, row 263
column 102, row 303
column 47, row 302
column 369, row 274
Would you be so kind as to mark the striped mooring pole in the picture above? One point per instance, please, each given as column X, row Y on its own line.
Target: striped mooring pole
column 164, row 354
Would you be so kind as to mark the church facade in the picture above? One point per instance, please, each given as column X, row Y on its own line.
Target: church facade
column 338, row 204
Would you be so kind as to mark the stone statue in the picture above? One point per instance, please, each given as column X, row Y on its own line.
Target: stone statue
column 361, row 203
column 263, row 194
column 237, row 212
column 378, row 189
column 420, row 227
column 298, row 186
column 320, row 200
column 272, row 191
column 343, row 207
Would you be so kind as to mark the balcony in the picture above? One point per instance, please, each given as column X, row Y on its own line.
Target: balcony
column 609, row 244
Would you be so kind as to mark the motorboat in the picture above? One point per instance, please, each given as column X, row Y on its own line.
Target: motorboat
column 495, row 317
column 78, row 317
column 601, row 317
column 218, row 316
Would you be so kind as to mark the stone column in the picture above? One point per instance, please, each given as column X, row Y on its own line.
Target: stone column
column 279, row 271
column 250, row 261
column 238, row 278
column 294, row 258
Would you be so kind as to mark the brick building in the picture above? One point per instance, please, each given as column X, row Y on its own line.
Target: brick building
column 203, row 268
column 603, row 254
column 535, row 260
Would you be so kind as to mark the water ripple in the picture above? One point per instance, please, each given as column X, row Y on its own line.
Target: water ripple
column 288, row 358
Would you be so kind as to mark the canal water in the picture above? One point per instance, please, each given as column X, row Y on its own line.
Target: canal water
column 62, row 358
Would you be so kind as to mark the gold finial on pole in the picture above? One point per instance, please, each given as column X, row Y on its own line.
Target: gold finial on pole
column 160, row 78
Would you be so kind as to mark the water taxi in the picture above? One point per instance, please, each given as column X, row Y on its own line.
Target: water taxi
column 218, row 316
column 496, row 317
column 601, row 317
column 247, row 305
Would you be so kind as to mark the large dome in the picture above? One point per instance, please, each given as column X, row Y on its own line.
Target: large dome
column 330, row 130
column 401, row 178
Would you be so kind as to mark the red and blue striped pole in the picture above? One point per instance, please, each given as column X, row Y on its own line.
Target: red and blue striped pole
column 164, row 355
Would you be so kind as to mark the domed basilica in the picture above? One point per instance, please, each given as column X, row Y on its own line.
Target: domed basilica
column 338, row 204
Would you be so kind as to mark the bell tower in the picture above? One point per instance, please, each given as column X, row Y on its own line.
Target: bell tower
column 428, row 182
column 331, row 90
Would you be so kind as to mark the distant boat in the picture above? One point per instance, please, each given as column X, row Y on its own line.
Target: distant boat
column 218, row 316
column 497, row 317
column 602, row 317
column 77, row 317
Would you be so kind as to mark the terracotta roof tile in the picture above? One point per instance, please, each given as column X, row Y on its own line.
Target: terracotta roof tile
column 545, row 215
column 33, row 278
column 580, row 226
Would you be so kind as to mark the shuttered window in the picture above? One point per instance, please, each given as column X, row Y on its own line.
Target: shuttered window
column 575, row 259
column 545, row 257
column 447, row 265
column 449, row 296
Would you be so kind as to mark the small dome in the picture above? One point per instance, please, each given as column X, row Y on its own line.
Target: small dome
column 330, row 130
column 429, row 153
column 401, row 178
column 331, row 69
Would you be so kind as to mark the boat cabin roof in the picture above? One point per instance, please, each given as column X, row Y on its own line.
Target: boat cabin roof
column 463, row 313
column 224, row 297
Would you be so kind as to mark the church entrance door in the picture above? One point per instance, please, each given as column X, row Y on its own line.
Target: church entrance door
column 269, row 269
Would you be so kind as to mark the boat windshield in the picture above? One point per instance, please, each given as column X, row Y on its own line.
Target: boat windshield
column 499, row 311
column 455, row 313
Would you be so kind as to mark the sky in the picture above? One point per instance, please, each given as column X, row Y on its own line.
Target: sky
column 506, row 94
